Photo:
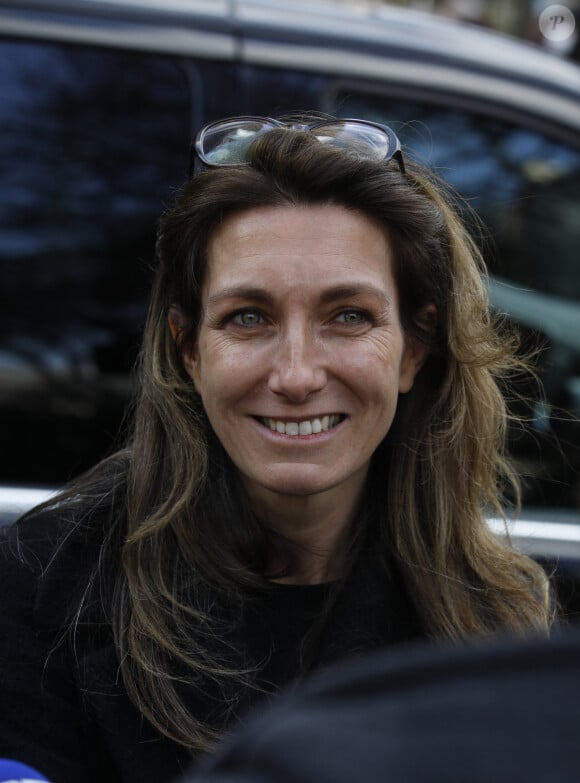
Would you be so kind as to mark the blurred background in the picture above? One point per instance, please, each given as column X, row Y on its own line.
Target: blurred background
column 100, row 99
column 513, row 17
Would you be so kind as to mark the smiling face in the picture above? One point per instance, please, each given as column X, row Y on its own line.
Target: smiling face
column 300, row 355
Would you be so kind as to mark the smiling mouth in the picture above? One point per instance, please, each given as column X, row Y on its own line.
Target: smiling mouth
column 305, row 427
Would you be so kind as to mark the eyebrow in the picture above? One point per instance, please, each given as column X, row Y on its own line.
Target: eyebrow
column 349, row 290
column 240, row 292
column 329, row 295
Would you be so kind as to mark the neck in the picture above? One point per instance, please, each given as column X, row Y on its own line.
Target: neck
column 317, row 526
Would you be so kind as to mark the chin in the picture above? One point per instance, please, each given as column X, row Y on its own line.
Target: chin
column 297, row 487
column 301, row 483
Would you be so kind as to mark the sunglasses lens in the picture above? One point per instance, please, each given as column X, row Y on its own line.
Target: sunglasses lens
column 226, row 143
column 360, row 139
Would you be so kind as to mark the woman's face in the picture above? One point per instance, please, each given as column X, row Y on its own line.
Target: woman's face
column 300, row 355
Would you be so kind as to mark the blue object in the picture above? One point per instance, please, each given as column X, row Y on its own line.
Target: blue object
column 16, row 772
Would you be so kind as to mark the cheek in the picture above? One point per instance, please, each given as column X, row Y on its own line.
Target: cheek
column 221, row 370
column 377, row 360
column 377, row 375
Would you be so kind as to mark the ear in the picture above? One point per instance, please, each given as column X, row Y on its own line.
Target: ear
column 178, row 321
column 415, row 352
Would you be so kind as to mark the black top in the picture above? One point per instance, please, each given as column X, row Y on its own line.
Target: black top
column 64, row 709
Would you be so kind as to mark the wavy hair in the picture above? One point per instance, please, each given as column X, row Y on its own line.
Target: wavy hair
column 190, row 534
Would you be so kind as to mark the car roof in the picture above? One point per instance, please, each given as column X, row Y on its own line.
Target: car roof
column 381, row 44
column 408, row 33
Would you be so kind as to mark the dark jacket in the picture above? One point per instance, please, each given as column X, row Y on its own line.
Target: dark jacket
column 64, row 709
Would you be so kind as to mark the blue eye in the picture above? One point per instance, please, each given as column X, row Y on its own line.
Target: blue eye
column 352, row 317
column 248, row 318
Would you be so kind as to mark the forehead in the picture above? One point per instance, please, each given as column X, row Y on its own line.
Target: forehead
column 309, row 246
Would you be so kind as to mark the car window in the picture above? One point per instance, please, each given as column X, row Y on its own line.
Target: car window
column 525, row 185
column 93, row 142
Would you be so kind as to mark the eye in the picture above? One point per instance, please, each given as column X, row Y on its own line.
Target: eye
column 247, row 318
column 353, row 317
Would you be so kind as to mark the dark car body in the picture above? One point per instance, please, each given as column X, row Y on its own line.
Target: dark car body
column 99, row 101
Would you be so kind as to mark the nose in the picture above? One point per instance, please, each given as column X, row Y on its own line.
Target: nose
column 298, row 368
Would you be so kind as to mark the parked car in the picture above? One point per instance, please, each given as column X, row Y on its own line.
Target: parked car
column 100, row 99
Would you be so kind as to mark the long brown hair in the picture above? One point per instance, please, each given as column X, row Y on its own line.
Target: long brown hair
column 442, row 467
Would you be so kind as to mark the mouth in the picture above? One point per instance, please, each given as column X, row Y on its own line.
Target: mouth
column 303, row 427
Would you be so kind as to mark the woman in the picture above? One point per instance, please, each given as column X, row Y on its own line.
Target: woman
column 318, row 434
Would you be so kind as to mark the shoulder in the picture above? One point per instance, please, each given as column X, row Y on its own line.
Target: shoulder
column 45, row 559
column 47, row 556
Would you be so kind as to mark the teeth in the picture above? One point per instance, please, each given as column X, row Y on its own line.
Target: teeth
column 311, row 427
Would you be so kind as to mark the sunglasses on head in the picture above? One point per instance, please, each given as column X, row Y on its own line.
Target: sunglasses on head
column 226, row 142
